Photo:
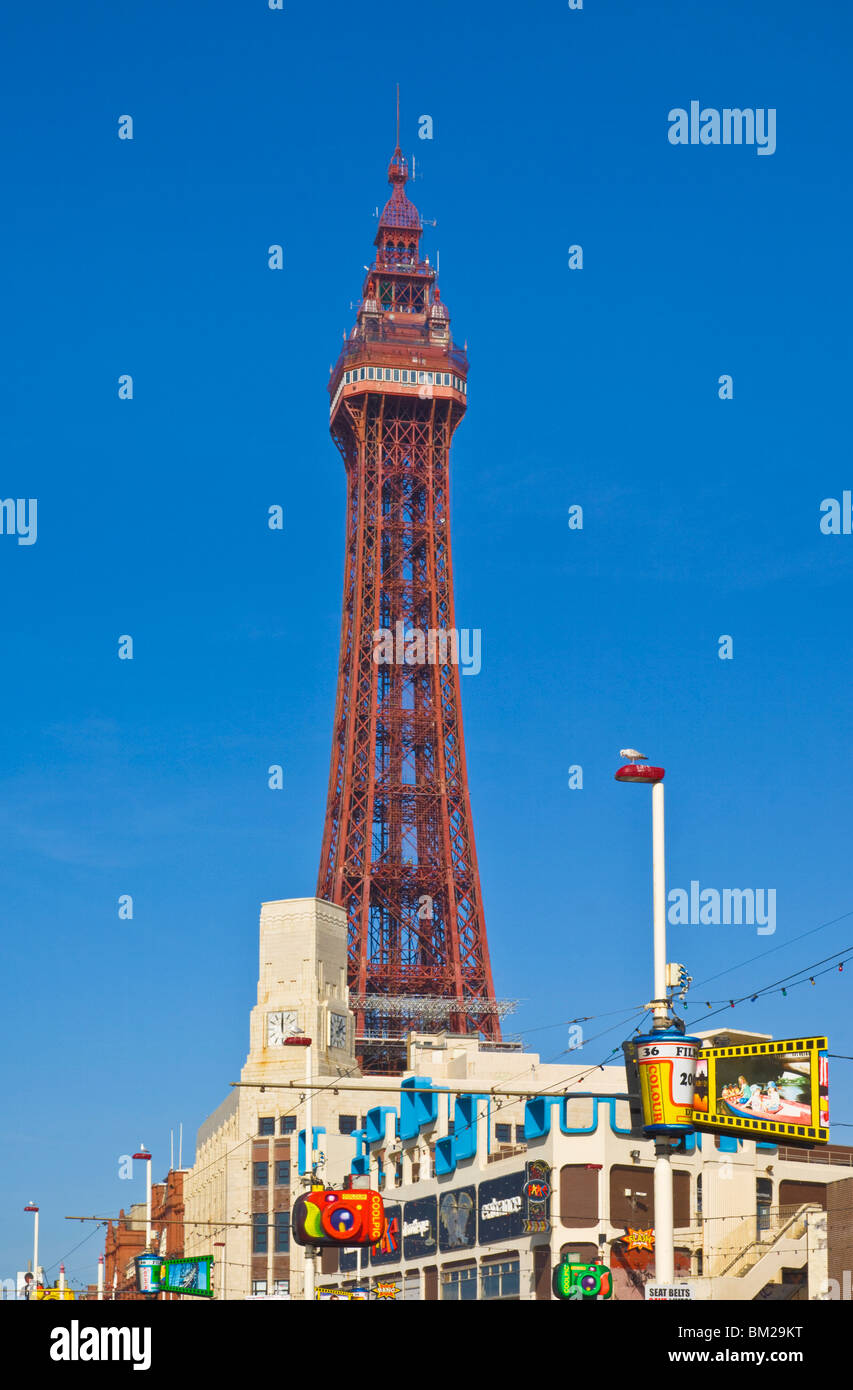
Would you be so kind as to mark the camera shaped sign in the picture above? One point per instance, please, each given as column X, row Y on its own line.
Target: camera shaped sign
column 355, row 1216
column 582, row 1282
column 768, row 1091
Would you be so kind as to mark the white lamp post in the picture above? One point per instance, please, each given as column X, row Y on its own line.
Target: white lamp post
column 310, row 1252
column 145, row 1156
column 637, row 772
column 34, row 1209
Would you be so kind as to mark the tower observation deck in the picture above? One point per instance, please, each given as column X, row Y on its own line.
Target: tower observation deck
column 398, row 846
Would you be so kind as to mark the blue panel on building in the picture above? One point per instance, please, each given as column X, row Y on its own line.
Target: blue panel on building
column 445, row 1156
column 418, row 1106
column 374, row 1122
column 465, row 1126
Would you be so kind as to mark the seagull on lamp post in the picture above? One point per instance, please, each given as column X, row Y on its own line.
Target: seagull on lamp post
column 633, row 754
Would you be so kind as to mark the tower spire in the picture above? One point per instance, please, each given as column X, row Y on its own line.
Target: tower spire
column 397, row 142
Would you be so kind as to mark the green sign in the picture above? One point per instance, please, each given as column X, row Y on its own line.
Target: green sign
column 192, row 1276
column 575, row 1280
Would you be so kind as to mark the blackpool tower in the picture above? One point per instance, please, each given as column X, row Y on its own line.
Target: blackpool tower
column 398, row 846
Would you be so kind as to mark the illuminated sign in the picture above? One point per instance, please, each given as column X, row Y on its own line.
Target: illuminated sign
column 502, row 1207
column 537, row 1191
column 420, row 1219
column 326, row 1218
column 770, row 1091
column 640, row 1240
column 191, row 1276
column 666, row 1064
column 387, row 1250
column 457, row 1219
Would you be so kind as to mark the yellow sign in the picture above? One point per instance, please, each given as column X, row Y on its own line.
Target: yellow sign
column 769, row 1091
column 640, row 1240
column 665, row 1062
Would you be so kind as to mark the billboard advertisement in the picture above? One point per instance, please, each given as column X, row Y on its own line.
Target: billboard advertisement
column 457, row 1219
column 666, row 1061
column 771, row 1091
column 420, row 1222
column 387, row 1250
column 502, row 1207
column 190, row 1276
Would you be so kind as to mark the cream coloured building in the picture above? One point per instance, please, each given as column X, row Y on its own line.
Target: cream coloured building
column 239, row 1192
column 453, row 1155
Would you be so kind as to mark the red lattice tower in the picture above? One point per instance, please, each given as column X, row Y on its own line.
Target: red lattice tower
column 398, row 847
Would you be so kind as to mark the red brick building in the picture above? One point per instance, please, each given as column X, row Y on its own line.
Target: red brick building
column 125, row 1237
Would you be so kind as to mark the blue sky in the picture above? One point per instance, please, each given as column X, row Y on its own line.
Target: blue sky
column 595, row 387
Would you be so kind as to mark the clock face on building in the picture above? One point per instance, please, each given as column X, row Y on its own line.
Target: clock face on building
column 280, row 1026
column 337, row 1030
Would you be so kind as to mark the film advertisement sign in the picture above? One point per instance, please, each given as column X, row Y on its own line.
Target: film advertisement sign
column 420, row 1220
column 502, row 1207
column 666, row 1063
column 765, row 1091
column 188, row 1276
column 387, row 1250
column 457, row 1219
column 148, row 1269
